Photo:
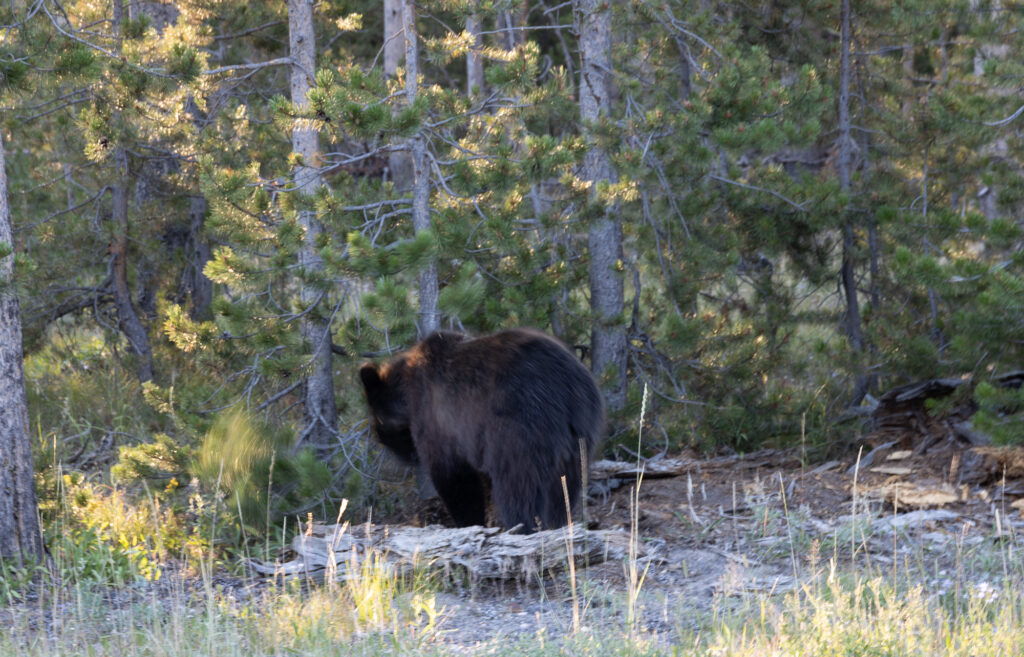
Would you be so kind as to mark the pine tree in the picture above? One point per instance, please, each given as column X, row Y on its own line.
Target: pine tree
column 320, row 416
column 21, row 538
column 608, row 337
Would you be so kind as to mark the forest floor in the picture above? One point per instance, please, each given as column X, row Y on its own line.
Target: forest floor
column 912, row 507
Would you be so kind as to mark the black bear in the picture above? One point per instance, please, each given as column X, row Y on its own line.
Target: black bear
column 512, row 410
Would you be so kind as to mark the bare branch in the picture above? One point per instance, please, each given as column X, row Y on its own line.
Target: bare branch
column 256, row 66
column 251, row 30
column 1002, row 122
column 798, row 206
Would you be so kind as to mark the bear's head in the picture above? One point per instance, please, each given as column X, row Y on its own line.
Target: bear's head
column 389, row 409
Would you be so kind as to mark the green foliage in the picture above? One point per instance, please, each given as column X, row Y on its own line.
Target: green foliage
column 464, row 294
column 13, row 72
column 136, row 28
column 185, row 63
column 1000, row 413
column 77, row 59
column 103, row 537
column 247, row 462
column 162, row 459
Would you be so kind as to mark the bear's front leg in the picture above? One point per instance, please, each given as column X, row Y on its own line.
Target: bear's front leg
column 462, row 491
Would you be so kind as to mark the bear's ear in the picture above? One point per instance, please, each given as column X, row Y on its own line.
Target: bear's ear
column 370, row 375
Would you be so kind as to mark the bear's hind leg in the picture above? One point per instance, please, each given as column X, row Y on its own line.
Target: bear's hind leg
column 519, row 505
column 556, row 514
column 462, row 492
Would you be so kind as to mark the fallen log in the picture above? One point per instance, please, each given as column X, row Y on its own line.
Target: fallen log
column 335, row 551
column 658, row 468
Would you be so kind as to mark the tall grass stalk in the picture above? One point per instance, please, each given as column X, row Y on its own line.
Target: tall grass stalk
column 571, row 554
column 339, row 530
column 853, row 510
column 635, row 578
column 270, row 485
column 789, row 527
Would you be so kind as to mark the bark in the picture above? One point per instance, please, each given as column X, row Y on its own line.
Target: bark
column 145, row 289
column 873, row 242
column 847, row 273
column 685, row 73
column 197, row 246
column 321, row 415
column 127, row 317
column 474, row 61
column 608, row 336
column 933, row 301
column 399, row 162
column 510, row 22
column 429, row 314
column 20, row 536
column 394, row 38
column 198, row 286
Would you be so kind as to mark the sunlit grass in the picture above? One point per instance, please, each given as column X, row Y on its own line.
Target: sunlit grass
column 871, row 617
column 821, row 618
column 193, row 616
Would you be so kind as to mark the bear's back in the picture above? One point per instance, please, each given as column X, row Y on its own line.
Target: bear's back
column 520, row 375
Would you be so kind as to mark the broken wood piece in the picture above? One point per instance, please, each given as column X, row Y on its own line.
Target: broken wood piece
column 920, row 390
column 966, row 431
column 825, row 467
column 869, row 458
column 892, row 470
column 904, row 494
column 999, row 461
column 914, row 519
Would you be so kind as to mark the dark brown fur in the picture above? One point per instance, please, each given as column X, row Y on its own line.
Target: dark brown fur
column 512, row 408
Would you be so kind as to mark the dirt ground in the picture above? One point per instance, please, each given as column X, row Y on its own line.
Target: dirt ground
column 721, row 530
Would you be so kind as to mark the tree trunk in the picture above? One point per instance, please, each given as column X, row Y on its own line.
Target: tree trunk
column 510, row 22
column 685, row 73
column 198, row 286
column 608, row 336
column 394, row 38
column 429, row 319
column 430, row 316
column 399, row 162
column 321, row 414
column 20, row 536
column 127, row 317
column 474, row 60
column 847, row 273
